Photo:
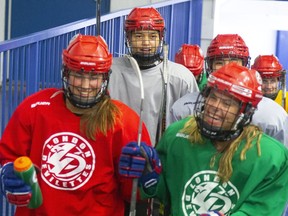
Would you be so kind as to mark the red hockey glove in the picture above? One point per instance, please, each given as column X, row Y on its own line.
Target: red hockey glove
column 16, row 191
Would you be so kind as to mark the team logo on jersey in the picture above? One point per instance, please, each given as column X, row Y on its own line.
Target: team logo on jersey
column 40, row 103
column 204, row 192
column 67, row 161
column 185, row 136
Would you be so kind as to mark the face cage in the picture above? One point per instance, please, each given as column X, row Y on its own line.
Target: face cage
column 209, row 61
column 218, row 133
column 281, row 83
column 145, row 60
column 84, row 102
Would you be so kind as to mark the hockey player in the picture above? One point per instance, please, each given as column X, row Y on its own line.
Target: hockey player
column 75, row 136
column 144, row 30
column 273, row 76
column 217, row 160
column 164, row 81
column 191, row 56
column 225, row 48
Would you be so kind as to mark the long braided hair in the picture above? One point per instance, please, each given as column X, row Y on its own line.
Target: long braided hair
column 225, row 169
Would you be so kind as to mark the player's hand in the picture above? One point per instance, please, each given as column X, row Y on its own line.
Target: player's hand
column 140, row 162
column 213, row 213
column 16, row 191
column 153, row 167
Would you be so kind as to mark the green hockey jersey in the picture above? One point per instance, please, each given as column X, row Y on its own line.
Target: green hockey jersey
column 257, row 187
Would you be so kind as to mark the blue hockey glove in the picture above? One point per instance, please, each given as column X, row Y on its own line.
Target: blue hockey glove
column 16, row 191
column 140, row 162
column 213, row 213
column 131, row 163
column 153, row 167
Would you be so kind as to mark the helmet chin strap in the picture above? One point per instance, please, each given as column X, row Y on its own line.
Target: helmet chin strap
column 215, row 133
column 146, row 62
column 88, row 103
column 218, row 133
column 272, row 95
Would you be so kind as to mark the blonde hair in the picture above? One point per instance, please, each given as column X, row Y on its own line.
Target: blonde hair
column 100, row 118
column 225, row 169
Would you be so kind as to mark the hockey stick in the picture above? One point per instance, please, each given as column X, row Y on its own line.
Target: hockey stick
column 98, row 17
column 135, row 180
column 284, row 90
column 161, row 126
column 165, row 76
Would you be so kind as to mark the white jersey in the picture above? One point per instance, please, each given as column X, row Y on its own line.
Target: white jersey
column 273, row 119
column 269, row 116
column 124, row 86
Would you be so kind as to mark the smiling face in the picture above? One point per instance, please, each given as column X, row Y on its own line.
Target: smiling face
column 220, row 110
column 145, row 42
column 84, row 87
column 270, row 86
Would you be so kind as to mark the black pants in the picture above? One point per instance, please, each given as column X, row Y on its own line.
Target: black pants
column 141, row 209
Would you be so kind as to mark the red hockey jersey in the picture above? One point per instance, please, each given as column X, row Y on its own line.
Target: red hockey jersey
column 79, row 176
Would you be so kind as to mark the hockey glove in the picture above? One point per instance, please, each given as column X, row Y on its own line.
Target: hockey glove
column 212, row 213
column 140, row 162
column 15, row 190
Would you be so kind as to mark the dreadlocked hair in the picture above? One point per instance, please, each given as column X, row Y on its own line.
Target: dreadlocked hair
column 100, row 118
column 225, row 170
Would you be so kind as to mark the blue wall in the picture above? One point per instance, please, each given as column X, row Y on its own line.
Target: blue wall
column 29, row 16
column 282, row 50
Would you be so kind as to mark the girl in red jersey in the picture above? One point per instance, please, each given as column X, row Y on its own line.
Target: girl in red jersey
column 75, row 136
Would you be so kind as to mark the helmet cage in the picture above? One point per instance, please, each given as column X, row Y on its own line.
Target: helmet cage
column 209, row 60
column 280, row 83
column 86, row 57
column 269, row 67
column 227, row 46
column 243, row 117
column 145, row 60
column 145, row 19
column 240, row 84
column 88, row 101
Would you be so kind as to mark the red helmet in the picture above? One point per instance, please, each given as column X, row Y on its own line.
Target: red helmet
column 191, row 56
column 227, row 46
column 242, row 84
column 145, row 19
column 239, row 81
column 268, row 66
column 87, row 53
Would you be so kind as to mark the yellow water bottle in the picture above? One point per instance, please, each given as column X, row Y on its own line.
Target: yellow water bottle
column 24, row 168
